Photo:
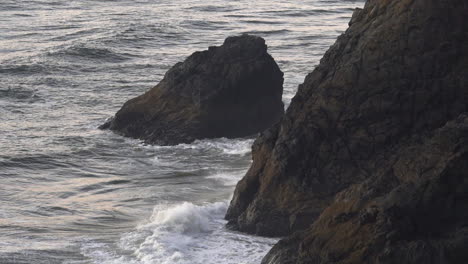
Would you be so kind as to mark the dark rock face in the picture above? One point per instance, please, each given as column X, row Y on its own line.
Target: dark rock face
column 229, row 91
column 412, row 211
column 395, row 76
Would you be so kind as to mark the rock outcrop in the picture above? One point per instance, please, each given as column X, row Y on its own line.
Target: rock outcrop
column 399, row 73
column 229, row 91
column 412, row 211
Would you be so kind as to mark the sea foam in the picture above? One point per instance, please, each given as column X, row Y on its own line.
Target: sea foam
column 186, row 233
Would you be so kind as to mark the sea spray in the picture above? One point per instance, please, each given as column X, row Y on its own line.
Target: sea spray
column 184, row 233
column 178, row 231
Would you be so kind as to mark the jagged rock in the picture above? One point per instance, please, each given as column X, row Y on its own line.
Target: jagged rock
column 400, row 70
column 415, row 210
column 229, row 91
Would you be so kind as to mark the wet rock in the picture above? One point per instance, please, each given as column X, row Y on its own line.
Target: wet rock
column 397, row 74
column 229, row 91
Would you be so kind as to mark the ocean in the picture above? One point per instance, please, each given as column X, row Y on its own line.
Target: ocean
column 71, row 193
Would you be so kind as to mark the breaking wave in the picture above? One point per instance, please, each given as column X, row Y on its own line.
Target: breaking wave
column 184, row 234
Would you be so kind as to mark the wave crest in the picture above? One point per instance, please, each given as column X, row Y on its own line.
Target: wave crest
column 187, row 217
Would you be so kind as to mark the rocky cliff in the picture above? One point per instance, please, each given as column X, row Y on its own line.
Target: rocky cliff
column 229, row 91
column 414, row 210
column 366, row 127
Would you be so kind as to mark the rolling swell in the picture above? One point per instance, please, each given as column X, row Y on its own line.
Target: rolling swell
column 23, row 69
column 90, row 54
column 19, row 94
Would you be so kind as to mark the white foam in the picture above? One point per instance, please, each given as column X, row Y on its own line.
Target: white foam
column 186, row 234
column 175, row 232
column 232, row 146
column 227, row 178
column 223, row 145
column 161, row 161
column 187, row 217
column 102, row 253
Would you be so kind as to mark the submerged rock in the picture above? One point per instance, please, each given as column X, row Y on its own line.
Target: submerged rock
column 234, row 90
column 395, row 76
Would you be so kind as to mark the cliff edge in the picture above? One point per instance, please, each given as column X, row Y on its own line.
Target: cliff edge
column 396, row 76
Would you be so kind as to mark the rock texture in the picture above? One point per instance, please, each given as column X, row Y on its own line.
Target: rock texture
column 399, row 73
column 229, row 91
column 412, row 211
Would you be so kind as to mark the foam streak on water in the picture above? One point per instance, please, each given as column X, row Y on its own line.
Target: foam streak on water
column 70, row 193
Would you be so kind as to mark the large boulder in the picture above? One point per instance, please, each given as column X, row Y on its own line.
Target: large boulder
column 399, row 72
column 234, row 90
